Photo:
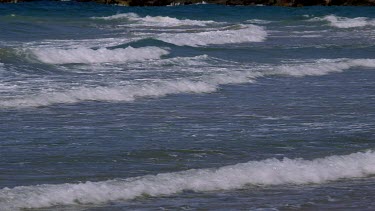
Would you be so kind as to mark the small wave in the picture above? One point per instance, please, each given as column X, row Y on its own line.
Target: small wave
column 311, row 36
column 121, row 93
column 13, row 55
column 129, row 92
column 82, row 43
column 205, row 84
column 343, row 22
column 196, row 61
column 258, row 21
column 161, row 21
column 248, row 33
column 323, row 67
column 265, row 172
column 102, row 55
column 118, row 16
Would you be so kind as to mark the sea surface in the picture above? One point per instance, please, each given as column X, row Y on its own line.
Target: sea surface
column 199, row 107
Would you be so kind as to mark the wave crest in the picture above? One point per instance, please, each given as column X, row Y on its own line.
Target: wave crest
column 343, row 22
column 130, row 92
column 102, row 55
column 113, row 94
column 161, row 21
column 247, row 33
column 204, row 84
column 266, row 172
column 323, row 67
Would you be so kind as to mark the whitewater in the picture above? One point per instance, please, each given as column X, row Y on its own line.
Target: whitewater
column 205, row 84
column 267, row 172
column 186, row 107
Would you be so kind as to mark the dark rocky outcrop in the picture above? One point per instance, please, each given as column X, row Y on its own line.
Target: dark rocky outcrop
column 352, row 2
column 13, row 1
column 289, row 3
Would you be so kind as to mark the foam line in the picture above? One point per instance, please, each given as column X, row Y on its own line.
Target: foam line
column 266, row 172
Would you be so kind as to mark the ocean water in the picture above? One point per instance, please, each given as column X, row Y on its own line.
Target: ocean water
column 205, row 107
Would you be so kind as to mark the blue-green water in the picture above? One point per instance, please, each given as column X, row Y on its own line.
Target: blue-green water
column 186, row 107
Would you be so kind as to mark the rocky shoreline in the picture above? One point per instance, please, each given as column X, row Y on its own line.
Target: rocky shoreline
column 288, row 3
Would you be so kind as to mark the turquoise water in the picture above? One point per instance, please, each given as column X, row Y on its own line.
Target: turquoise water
column 208, row 107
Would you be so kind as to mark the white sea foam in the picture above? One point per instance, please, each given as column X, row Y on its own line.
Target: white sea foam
column 265, row 172
column 343, row 22
column 311, row 36
column 258, row 21
column 307, row 34
column 204, row 84
column 323, row 67
column 160, row 21
column 129, row 92
column 118, row 16
column 247, row 33
column 196, row 61
column 82, row 43
column 120, row 93
column 102, row 55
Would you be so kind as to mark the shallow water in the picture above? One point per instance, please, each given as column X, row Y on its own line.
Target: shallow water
column 105, row 107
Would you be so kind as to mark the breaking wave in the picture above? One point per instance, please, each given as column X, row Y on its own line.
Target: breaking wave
column 343, row 22
column 205, row 84
column 160, row 21
column 129, row 92
column 258, row 21
column 102, row 55
column 323, row 67
column 265, row 172
column 247, row 33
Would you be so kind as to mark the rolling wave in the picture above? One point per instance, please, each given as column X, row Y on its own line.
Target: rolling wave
column 266, row 172
column 343, row 22
column 102, row 55
column 323, row 67
column 205, row 84
column 156, row 21
column 129, row 92
column 247, row 33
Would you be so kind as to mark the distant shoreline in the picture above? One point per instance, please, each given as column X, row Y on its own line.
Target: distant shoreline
column 286, row 3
